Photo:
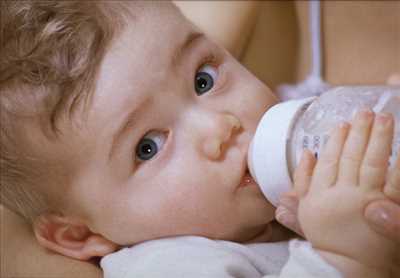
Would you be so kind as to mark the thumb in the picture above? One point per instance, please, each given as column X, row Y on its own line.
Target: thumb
column 286, row 213
column 384, row 217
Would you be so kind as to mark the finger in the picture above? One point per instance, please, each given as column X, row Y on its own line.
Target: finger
column 392, row 187
column 290, row 201
column 303, row 173
column 288, row 219
column 384, row 217
column 355, row 146
column 375, row 163
column 325, row 172
column 286, row 213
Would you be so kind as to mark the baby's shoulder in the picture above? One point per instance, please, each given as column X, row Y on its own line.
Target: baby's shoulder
column 187, row 255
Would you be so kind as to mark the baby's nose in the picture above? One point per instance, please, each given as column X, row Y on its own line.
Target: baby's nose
column 217, row 139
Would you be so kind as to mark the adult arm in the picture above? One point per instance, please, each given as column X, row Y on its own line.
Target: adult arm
column 22, row 256
column 227, row 22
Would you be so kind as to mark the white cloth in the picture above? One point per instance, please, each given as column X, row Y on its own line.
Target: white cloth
column 195, row 257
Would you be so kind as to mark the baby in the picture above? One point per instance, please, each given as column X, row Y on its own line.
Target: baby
column 146, row 125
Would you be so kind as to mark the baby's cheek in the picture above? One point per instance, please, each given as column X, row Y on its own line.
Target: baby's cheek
column 260, row 99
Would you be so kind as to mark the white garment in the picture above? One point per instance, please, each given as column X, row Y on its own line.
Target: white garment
column 195, row 257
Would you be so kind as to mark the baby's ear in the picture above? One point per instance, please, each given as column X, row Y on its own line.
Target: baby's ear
column 70, row 238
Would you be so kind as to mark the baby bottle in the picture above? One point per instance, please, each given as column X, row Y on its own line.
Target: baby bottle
column 289, row 127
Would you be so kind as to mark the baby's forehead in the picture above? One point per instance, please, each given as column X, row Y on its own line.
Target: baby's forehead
column 139, row 58
column 145, row 51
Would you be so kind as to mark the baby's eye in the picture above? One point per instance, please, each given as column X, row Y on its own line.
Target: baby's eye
column 150, row 145
column 204, row 79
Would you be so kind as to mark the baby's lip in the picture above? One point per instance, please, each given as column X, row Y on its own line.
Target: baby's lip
column 247, row 179
column 244, row 179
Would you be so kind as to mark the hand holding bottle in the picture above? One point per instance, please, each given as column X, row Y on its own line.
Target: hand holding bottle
column 382, row 215
column 334, row 191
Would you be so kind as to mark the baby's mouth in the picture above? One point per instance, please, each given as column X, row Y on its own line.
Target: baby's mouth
column 247, row 180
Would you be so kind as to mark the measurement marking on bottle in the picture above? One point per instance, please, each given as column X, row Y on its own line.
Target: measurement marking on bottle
column 316, row 142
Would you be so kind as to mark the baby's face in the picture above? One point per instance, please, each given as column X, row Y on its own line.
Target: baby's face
column 166, row 139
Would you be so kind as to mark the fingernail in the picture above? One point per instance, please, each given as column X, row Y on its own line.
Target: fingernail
column 362, row 113
column 344, row 125
column 366, row 112
column 378, row 216
column 383, row 118
column 282, row 215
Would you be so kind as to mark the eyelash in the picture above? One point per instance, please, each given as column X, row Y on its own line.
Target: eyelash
column 212, row 57
column 208, row 59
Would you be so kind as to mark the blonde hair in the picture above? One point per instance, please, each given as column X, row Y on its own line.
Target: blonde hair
column 50, row 52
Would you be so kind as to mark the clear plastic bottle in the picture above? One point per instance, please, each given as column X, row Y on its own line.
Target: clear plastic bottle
column 289, row 127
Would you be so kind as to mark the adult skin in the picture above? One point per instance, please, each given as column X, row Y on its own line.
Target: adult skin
column 269, row 55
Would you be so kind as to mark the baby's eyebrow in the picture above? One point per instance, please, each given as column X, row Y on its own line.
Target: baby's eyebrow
column 189, row 41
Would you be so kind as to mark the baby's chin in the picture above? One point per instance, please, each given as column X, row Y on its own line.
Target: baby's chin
column 264, row 234
column 271, row 232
